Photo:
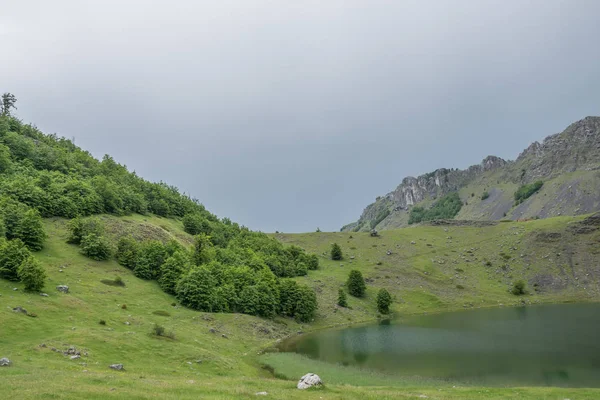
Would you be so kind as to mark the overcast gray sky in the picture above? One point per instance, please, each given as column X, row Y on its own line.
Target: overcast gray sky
column 288, row 115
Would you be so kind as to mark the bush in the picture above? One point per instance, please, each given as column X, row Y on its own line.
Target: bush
column 526, row 191
column 31, row 230
column 95, row 247
column 313, row 262
column 336, row 252
column 342, row 300
column 12, row 254
column 32, row 274
column 172, row 270
column 79, row 227
column 384, row 300
column 485, row 195
column 519, row 288
column 158, row 330
column 356, row 284
column 102, row 322
column 127, row 252
column 151, row 256
column 196, row 290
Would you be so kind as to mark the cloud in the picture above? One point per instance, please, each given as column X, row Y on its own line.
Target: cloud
column 293, row 115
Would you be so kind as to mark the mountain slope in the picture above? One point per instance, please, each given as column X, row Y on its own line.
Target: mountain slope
column 568, row 163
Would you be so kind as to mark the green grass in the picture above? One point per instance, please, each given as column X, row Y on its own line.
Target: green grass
column 421, row 278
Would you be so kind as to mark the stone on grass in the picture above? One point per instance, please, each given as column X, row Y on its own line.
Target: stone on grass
column 44, row 294
column 63, row 288
column 117, row 367
column 261, row 393
column 4, row 362
column 309, row 380
column 20, row 309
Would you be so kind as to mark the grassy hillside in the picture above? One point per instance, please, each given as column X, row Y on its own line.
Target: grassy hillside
column 202, row 363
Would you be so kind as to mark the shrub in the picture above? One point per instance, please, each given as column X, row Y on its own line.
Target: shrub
column 195, row 224
column 124, row 306
column 151, row 256
column 313, row 262
column 32, row 274
column 301, row 269
column 336, row 252
column 128, row 251
column 12, row 254
column 526, row 191
column 102, row 322
column 119, row 281
column 95, row 247
column 159, row 330
column 342, row 300
column 79, row 227
column 31, row 230
column 519, row 288
column 485, row 195
column 356, row 283
column 384, row 300
column 172, row 270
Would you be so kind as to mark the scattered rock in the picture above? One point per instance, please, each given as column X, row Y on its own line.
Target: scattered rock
column 309, row 380
column 261, row 393
column 44, row 294
column 117, row 367
column 43, row 345
column 75, row 357
column 20, row 309
column 212, row 330
column 224, row 336
column 5, row 362
column 15, row 289
column 63, row 288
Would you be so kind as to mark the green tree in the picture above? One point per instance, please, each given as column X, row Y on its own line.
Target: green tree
column 12, row 254
column 32, row 274
column 5, row 161
column 8, row 102
column 195, row 224
column 336, row 252
column 204, row 252
column 196, row 289
column 80, row 227
column 384, row 300
column 356, row 283
column 96, row 247
column 128, row 251
column 172, row 270
column 342, row 300
column 151, row 256
column 31, row 230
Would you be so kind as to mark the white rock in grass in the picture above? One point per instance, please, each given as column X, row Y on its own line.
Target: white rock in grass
column 309, row 380
column 4, row 362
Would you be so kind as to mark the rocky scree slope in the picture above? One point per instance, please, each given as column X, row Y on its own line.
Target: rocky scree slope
column 568, row 163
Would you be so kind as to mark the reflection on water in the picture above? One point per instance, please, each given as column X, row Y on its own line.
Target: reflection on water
column 554, row 345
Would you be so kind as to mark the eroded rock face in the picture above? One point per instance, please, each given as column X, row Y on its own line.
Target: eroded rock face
column 309, row 380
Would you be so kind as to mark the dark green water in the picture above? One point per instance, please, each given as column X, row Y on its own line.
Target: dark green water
column 551, row 345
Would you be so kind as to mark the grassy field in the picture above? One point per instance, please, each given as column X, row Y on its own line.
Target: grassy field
column 218, row 355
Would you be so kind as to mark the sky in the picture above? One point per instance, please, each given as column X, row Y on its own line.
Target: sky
column 293, row 115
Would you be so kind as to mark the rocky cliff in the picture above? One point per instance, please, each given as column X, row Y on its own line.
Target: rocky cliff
column 563, row 161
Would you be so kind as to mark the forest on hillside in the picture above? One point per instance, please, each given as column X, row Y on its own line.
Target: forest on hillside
column 229, row 269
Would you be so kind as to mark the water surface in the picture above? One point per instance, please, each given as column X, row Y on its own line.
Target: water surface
column 550, row 345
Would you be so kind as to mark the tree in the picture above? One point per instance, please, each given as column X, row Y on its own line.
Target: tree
column 32, row 274
column 5, row 161
column 95, row 247
column 79, row 227
column 128, row 251
column 356, row 284
column 298, row 301
column 336, row 252
column 8, row 102
column 171, row 271
column 204, row 252
column 151, row 256
column 384, row 300
column 31, row 230
column 196, row 289
column 12, row 254
column 342, row 300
